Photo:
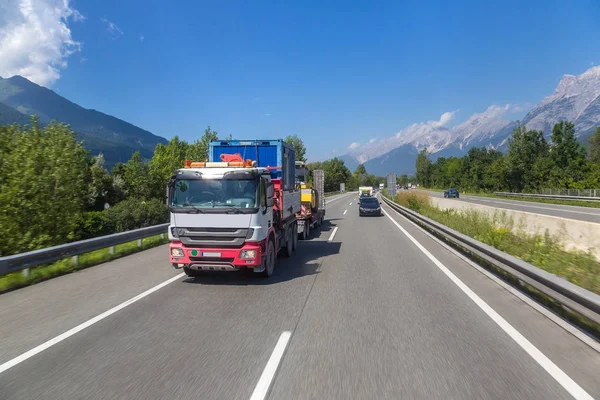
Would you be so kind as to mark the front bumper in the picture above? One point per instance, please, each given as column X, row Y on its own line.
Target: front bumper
column 215, row 259
column 373, row 212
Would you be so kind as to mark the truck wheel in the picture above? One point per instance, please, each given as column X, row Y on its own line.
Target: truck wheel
column 294, row 237
column 191, row 273
column 269, row 260
column 306, row 232
column 289, row 246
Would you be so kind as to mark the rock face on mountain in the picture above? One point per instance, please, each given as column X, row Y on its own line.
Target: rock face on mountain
column 576, row 99
column 100, row 132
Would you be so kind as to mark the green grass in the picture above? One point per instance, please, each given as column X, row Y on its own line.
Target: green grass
column 65, row 266
column 578, row 203
column 543, row 251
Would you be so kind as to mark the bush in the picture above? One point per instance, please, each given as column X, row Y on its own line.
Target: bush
column 133, row 214
column 93, row 224
column 414, row 200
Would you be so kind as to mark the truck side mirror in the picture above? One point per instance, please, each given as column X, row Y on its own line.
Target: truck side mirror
column 270, row 194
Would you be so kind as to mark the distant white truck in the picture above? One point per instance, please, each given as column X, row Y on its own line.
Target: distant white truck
column 381, row 186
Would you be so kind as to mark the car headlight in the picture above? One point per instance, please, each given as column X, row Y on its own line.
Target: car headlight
column 176, row 252
column 248, row 254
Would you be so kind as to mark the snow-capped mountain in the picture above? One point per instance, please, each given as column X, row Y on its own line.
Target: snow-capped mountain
column 576, row 99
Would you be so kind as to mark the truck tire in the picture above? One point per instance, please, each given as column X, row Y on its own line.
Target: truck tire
column 269, row 260
column 289, row 245
column 294, row 237
column 306, row 233
column 191, row 273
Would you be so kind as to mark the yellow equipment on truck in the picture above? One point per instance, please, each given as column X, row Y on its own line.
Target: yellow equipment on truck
column 312, row 199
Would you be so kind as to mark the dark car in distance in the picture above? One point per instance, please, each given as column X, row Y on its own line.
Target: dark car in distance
column 369, row 206
column 451, row 193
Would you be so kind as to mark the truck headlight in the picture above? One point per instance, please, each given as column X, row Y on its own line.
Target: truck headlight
column 176, row 252
column 247, row 254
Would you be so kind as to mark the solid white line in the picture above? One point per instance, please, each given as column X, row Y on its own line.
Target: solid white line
column 19, row 359
column 264, row 383
column 332, row 234
column 538, row 207
column 345, row 211
column 563, row 379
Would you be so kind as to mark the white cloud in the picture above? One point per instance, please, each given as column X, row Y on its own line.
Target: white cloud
column 372, row 140
column 354, row 145
column 112, row 28
column 35, row 39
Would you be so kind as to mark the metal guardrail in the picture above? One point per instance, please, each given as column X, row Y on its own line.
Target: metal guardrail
column 569, row 295
column 24, row 261
column 547, row 196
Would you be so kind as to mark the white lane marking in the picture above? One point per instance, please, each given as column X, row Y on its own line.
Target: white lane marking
column 19, row 359
column 541, row 208
column 350, row 203
column 332, row 234
column 536, row 306
column 264, row 383
column 345, row 211
column 563, row 379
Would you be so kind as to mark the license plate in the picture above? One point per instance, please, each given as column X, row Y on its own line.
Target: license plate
column 210, row 254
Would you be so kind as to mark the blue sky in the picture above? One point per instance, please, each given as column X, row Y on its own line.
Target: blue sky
column 332, row 73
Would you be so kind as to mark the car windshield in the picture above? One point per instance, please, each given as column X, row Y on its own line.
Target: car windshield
column 370, row 203
column 214, row 193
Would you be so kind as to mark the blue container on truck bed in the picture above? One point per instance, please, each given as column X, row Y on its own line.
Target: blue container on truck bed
column 266, row 153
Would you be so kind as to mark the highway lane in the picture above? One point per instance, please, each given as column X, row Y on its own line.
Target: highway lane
column 371, row 317
column 570, row 212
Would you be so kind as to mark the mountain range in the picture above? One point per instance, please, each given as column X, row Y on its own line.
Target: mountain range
column 575, row 99
column 100, row 133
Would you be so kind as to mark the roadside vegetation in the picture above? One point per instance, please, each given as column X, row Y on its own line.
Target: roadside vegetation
column 531, row 164
column 41, row 273
column 500, row 231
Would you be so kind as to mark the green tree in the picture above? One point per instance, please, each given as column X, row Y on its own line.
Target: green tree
column 43, row 186
column 298, row 145
column 166, row 159
column 525, row 148
column 198, row 151
column 100, row 188
column 568, row 156
column 136, row 177
column 360, row 170
column 594, row 142
column 336, row 172
column 423, row 167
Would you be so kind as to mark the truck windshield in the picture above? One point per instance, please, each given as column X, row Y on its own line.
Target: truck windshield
column 214, row 193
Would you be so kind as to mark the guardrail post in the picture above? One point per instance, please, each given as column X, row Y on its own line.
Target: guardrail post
column 75, row 260
column 111, row 250
column 25, row 272
column 162, row 235
column 139, row 242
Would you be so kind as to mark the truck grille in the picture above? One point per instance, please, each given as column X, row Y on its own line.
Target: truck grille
column 213, row 237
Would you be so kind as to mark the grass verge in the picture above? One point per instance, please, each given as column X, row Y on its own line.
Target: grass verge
column 543, row 251
column 41, row 273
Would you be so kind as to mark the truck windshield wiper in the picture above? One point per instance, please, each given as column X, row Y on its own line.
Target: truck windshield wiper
column 193, row 209
column 233, row 209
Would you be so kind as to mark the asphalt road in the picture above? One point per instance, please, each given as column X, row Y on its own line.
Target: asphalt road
column 587, row 214
column 371, row 314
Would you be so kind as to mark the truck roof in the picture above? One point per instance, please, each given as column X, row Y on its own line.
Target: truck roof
column 221, row 171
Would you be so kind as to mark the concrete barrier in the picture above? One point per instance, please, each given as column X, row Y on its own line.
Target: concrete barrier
column 573, row 234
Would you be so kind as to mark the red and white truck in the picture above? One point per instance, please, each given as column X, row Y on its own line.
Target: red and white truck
column 238, row 210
